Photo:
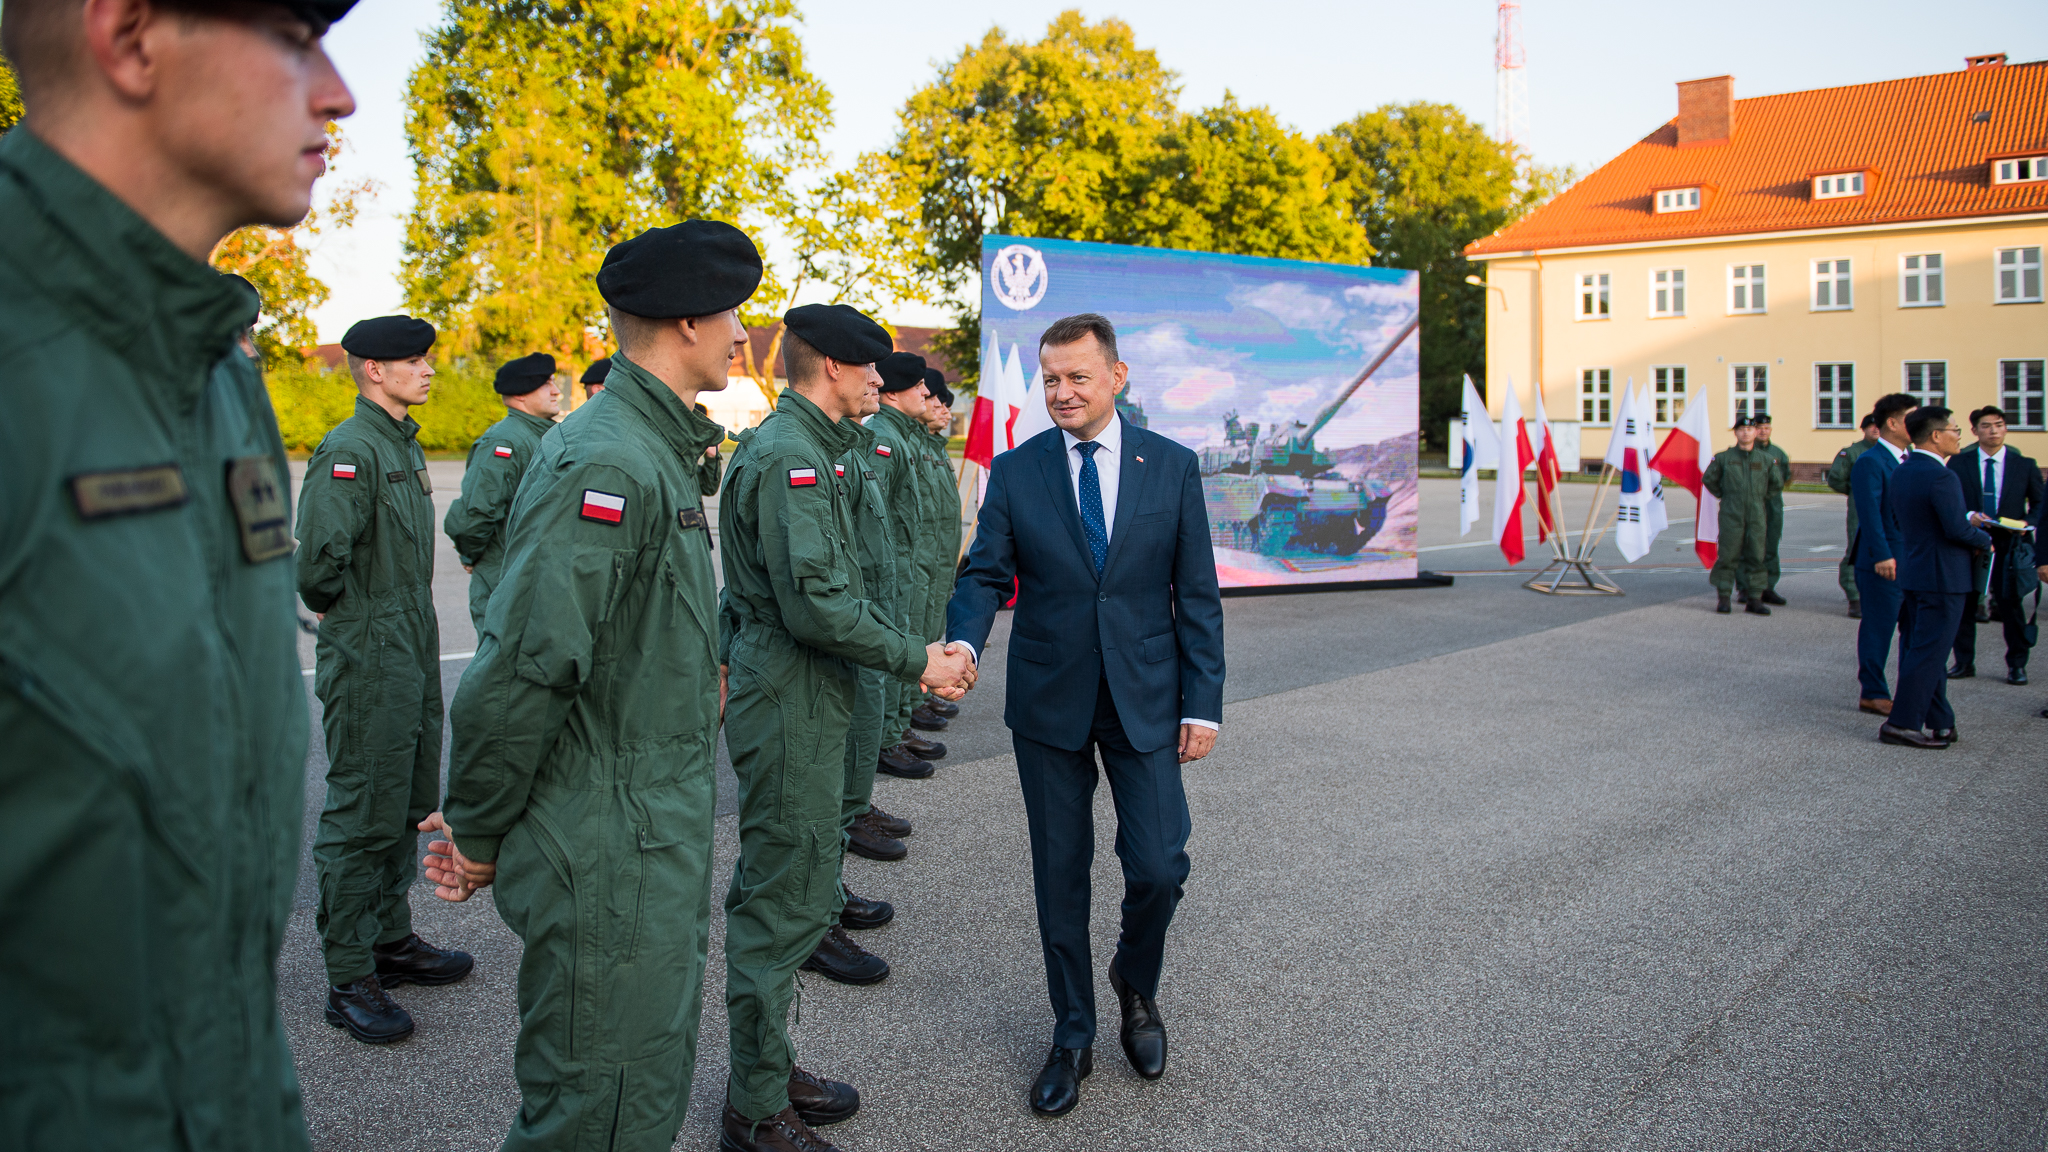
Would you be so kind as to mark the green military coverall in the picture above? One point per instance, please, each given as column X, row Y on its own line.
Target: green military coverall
column 152, row 715
column 875, row 549
column 944, row 500
column 1744, row 481
column 710, row 469
column 1838, row 479
column 366, row 560
column 797, row 621
column 1774, row 521
column 585, row 734
column 476, row 521
column 899, row 444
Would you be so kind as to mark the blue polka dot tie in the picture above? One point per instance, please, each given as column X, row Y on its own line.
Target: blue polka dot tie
column 1091, row 505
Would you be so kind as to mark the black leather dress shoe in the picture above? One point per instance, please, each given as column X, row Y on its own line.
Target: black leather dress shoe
column 414, row 961
column 922, row 748
column 840, row 957
column 894, row 827
column 2016, row 676
column 1058, row 1087
column 897, row 761
column 819, row 1101
column 368, row 1012
column 861, row 913
column 1771, row 596
column 939, row 707
column 1945, row 735
column 1909, row 737
column 1143, row 1033
column 783, row 1132
column 863, row 840
column 925, row 718
column 1961, row 671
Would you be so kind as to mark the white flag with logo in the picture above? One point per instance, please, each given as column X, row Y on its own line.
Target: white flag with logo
column 1477, row 447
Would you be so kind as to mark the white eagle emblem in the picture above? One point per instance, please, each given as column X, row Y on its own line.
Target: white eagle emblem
column 1019, row 277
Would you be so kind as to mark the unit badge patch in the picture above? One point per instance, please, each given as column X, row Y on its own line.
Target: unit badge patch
column 603, row 507
column 258, row 498
column 802, row 477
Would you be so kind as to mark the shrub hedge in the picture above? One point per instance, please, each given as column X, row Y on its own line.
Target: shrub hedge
column 311, row 399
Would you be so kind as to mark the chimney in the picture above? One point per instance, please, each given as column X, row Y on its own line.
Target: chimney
column 1972, row 63
column 1706, row 111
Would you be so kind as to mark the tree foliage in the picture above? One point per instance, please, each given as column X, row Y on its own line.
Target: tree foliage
column 10, row 97
column 1423, row 181
column 311, row 399
column 545, row 132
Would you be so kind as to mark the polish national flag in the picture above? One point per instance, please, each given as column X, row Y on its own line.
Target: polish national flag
column 1547, row 469
column 1508, row 493
column 603, row 506
column 1683, row 460
column 981, row 425
column 344, row 471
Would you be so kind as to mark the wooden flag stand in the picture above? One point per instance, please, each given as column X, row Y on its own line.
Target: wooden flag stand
column 1566, row 562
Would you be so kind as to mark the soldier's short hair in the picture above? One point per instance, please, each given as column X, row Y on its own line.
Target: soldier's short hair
column 804, row 362
column 1069, row 329
column 42, row 39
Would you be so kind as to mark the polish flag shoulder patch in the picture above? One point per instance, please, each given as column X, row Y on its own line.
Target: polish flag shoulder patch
column 502, row 451
column 603, row 507
column 344, row 471
column 839, row 470
column 803, row 477
column 882, row 450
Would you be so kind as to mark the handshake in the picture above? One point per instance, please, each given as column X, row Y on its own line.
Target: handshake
column 948, row 670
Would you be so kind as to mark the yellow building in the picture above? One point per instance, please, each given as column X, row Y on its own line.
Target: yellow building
column 1802, row 254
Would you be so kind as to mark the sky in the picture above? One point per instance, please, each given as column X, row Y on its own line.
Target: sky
column 1601, row 74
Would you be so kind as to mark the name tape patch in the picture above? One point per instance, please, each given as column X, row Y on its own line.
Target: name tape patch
column 803, row 477
column 502, row 451
column 692, row 518
column 344, row 471
column 395, row 477
column 603, row 507
column 128, row 490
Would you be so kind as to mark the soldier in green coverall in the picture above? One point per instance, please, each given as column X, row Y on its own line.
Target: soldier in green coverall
column 152, row 715
column 1838, row 479
column 366, row 567
column 1774, row 527
column 797, row 621
column 935, row 713
column 899, row 438
column 476, row 521
column 1743, row 479
column 583, row 778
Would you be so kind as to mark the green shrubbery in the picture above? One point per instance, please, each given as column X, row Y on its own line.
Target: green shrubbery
column 311, row 399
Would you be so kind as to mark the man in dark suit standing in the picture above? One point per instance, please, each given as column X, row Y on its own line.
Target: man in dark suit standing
column 1998, row 481
column 1117, row 646
column 1876, row 548
column 1939, row 535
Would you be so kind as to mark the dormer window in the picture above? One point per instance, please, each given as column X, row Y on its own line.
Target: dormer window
column 1677, row 199
column 1836, row 185
column 2019, row 169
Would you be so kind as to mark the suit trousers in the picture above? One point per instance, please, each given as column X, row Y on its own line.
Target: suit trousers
column 1927, row 619
column 1152, row 829
column 2008, row 612
column 1880, row 599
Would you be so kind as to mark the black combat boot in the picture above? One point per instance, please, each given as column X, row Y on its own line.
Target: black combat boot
column 367, row 1011
column 894, row 827
column 840, row 957
column 783, row 1132
column 939, row 707
column 863, row 840
column 923, row 717
column 413, row 960
column 898, row 761
column 1721, row 605
column 922, row 748
column 819, row 1101
column 861, row 913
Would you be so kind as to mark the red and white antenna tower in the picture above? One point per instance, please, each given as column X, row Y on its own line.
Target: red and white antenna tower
column 1510, row 78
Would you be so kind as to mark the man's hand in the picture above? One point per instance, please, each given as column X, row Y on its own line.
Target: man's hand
column 2042, row 572
column 1889, row 569
column 948, row 670
column 469, row 567
column 455, row 877
column 724, row 685
column 1196, row 742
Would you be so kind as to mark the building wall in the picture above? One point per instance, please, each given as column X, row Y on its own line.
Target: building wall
column 1532, row 329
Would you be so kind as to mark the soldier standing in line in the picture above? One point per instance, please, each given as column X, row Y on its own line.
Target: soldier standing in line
column 583, row 777
column 710, row 466
column 1741, row 478
column 594, row 376
column 937, row 712
column 366, row 568
column 152, row 715
column 796, row 623
column 475, row 523
column 899, row 438
column 1774, row 526
column 1838, row 479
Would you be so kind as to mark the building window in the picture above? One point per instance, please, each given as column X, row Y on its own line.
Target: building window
column 1920, row 280
column 2019, row 275
column 1749, row 390
column 1592, row 295
column 1667, row 292
column 1745, row 288
column 2020, row 393
column 1596, row 395
column 1927, row 381
column 1834, row 395
column 1838, row 185
column 2020, row 170
column 1667, row 393
column 1830, row 285
column 1678, row 199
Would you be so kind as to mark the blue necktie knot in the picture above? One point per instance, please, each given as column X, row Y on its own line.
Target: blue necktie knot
column 1092, row 524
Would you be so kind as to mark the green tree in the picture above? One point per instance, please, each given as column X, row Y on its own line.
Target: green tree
column 10, row 97
column 544, row 133
column 1424, row 181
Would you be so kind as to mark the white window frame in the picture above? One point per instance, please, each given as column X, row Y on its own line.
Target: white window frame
column 1745, row 289
column 1922, row 276
column 1676, row 200
column 2016, row 274
column 1594, row 289
column 1743, row 401
column 1922, row 393
column 1840, row 421
column 2010, row 169
column 1674, row 287
column 1838, row 185
column 1663, row 411
column 2014, row 403
column 1816, row 279
column 1592, row 418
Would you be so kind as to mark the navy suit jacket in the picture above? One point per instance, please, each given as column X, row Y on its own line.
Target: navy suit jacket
column 2019, row 483
column 1927, row 501
column 1877, row 531
column 1152, row 625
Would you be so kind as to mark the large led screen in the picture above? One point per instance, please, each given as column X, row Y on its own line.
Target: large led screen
column 1294, row 382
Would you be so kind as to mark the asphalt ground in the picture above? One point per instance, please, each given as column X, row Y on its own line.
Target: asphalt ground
column 1474, row 867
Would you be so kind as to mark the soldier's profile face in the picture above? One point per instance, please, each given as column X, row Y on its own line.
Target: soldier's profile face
column 407, row 381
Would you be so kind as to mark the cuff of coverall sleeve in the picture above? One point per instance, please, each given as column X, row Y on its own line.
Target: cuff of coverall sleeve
column 481, row 849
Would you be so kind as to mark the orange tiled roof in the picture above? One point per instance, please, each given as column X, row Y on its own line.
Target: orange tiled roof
column 1916, row 135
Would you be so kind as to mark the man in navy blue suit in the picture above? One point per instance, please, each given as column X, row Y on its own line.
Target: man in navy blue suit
column 1876, row 549
column 1999, row 481
column 1936, row 571
column 1117, row 647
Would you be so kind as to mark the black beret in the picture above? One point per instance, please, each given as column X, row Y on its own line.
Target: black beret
column 936, row 381
column 696, row 268
column 388, row 338
column 1740, row 422
column 901, row 371
column 518, row 377
column 598, row 370
column 840, row 331
column 1760, row 418
column 318, row 13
